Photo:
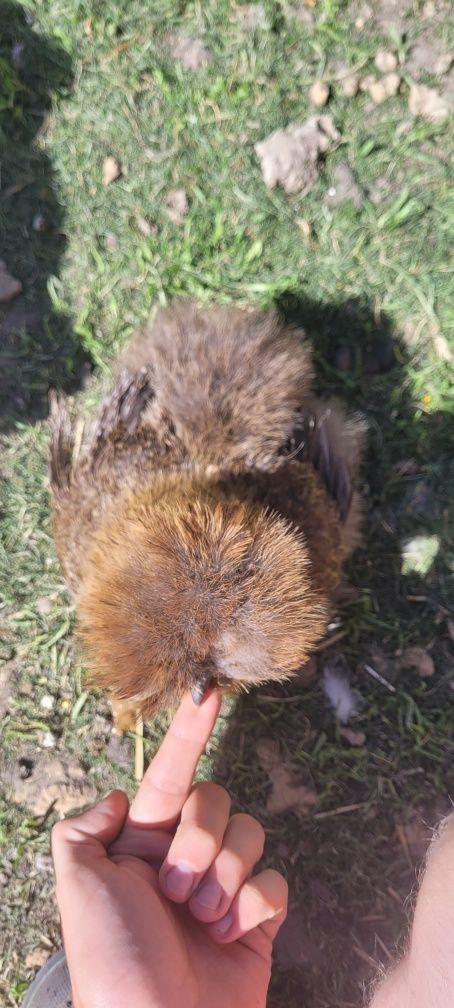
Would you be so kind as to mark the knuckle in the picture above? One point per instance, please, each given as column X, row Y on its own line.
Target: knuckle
column 250, row 826
column 211, row 792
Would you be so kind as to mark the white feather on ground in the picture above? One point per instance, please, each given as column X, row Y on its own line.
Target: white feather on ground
column 337, row 689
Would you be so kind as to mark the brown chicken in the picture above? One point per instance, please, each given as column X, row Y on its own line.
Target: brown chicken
column 202, row 527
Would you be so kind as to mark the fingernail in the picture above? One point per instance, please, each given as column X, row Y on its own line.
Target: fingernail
column 179, row 880
column 224, row 925
column 209, row 895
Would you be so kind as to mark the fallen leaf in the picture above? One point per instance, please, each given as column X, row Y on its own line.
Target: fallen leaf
column 10, row 287
column 344, row 188
column 291, row 157
column 419, row 659
column 36, row 958
column 285, row 793
column 189, row 52
column 450, row 628
column 177, row 205
column 428, row 103
column 110, row 170
column 356, row 738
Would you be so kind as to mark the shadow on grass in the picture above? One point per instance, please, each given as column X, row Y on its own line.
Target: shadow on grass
column 353, row 861
column 37, row 346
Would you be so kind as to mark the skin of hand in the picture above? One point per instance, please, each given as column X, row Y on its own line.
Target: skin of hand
column 158, row 903
column 425, row 976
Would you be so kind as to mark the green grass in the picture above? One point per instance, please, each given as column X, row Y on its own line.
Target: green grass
column 98, row 80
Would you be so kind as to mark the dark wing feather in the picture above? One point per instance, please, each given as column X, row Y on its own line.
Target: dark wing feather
column 61, row 442
column 121, row 410
column 331, row 442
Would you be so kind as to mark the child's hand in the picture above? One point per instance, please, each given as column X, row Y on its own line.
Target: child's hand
column 158, row 904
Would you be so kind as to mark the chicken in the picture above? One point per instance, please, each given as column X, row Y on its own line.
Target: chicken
column 202, row 526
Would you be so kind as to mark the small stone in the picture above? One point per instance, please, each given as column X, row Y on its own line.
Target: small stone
column 451, row 685
column 111, row 241
column 350, row 86
column 44, row 605
column 391, row 84
column 429, row 10
column 44, row 863
column 10, row 287
column 177, row 205
column 40, row 223
column 355, row 738
column 25, row 688
column 385, row 61
column 319, row 93
column 366, row 82
column 443, row 64
column 110, row 170
column 145, row 227
column 47, row 702
column 377, row 92
column 419, row 659
column 36, row 958
column 47, row 740
column 3, row 880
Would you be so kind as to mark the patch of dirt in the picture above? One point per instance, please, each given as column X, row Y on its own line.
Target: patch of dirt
column 427, row 57
column 292, row 157
column 7, row 669
column 293, row 946
column 45, row 780
column 286, row 792
column 251, row 15
column 189, row 52
column 429, row 103
column 344, row 188
column 177, row 205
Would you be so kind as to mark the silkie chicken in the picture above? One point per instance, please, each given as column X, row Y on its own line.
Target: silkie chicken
column 202, row 526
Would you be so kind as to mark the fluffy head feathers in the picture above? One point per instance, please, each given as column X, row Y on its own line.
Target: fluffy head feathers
column 192, row 585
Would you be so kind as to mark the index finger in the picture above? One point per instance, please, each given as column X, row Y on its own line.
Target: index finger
column 169, row 777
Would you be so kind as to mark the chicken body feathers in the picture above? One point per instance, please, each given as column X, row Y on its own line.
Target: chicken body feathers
column 211, row 409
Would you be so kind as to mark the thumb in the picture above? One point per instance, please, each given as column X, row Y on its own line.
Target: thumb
column 84, row 838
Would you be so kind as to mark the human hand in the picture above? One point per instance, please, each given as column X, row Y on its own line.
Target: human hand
column 425, row 976
column 158, row 904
